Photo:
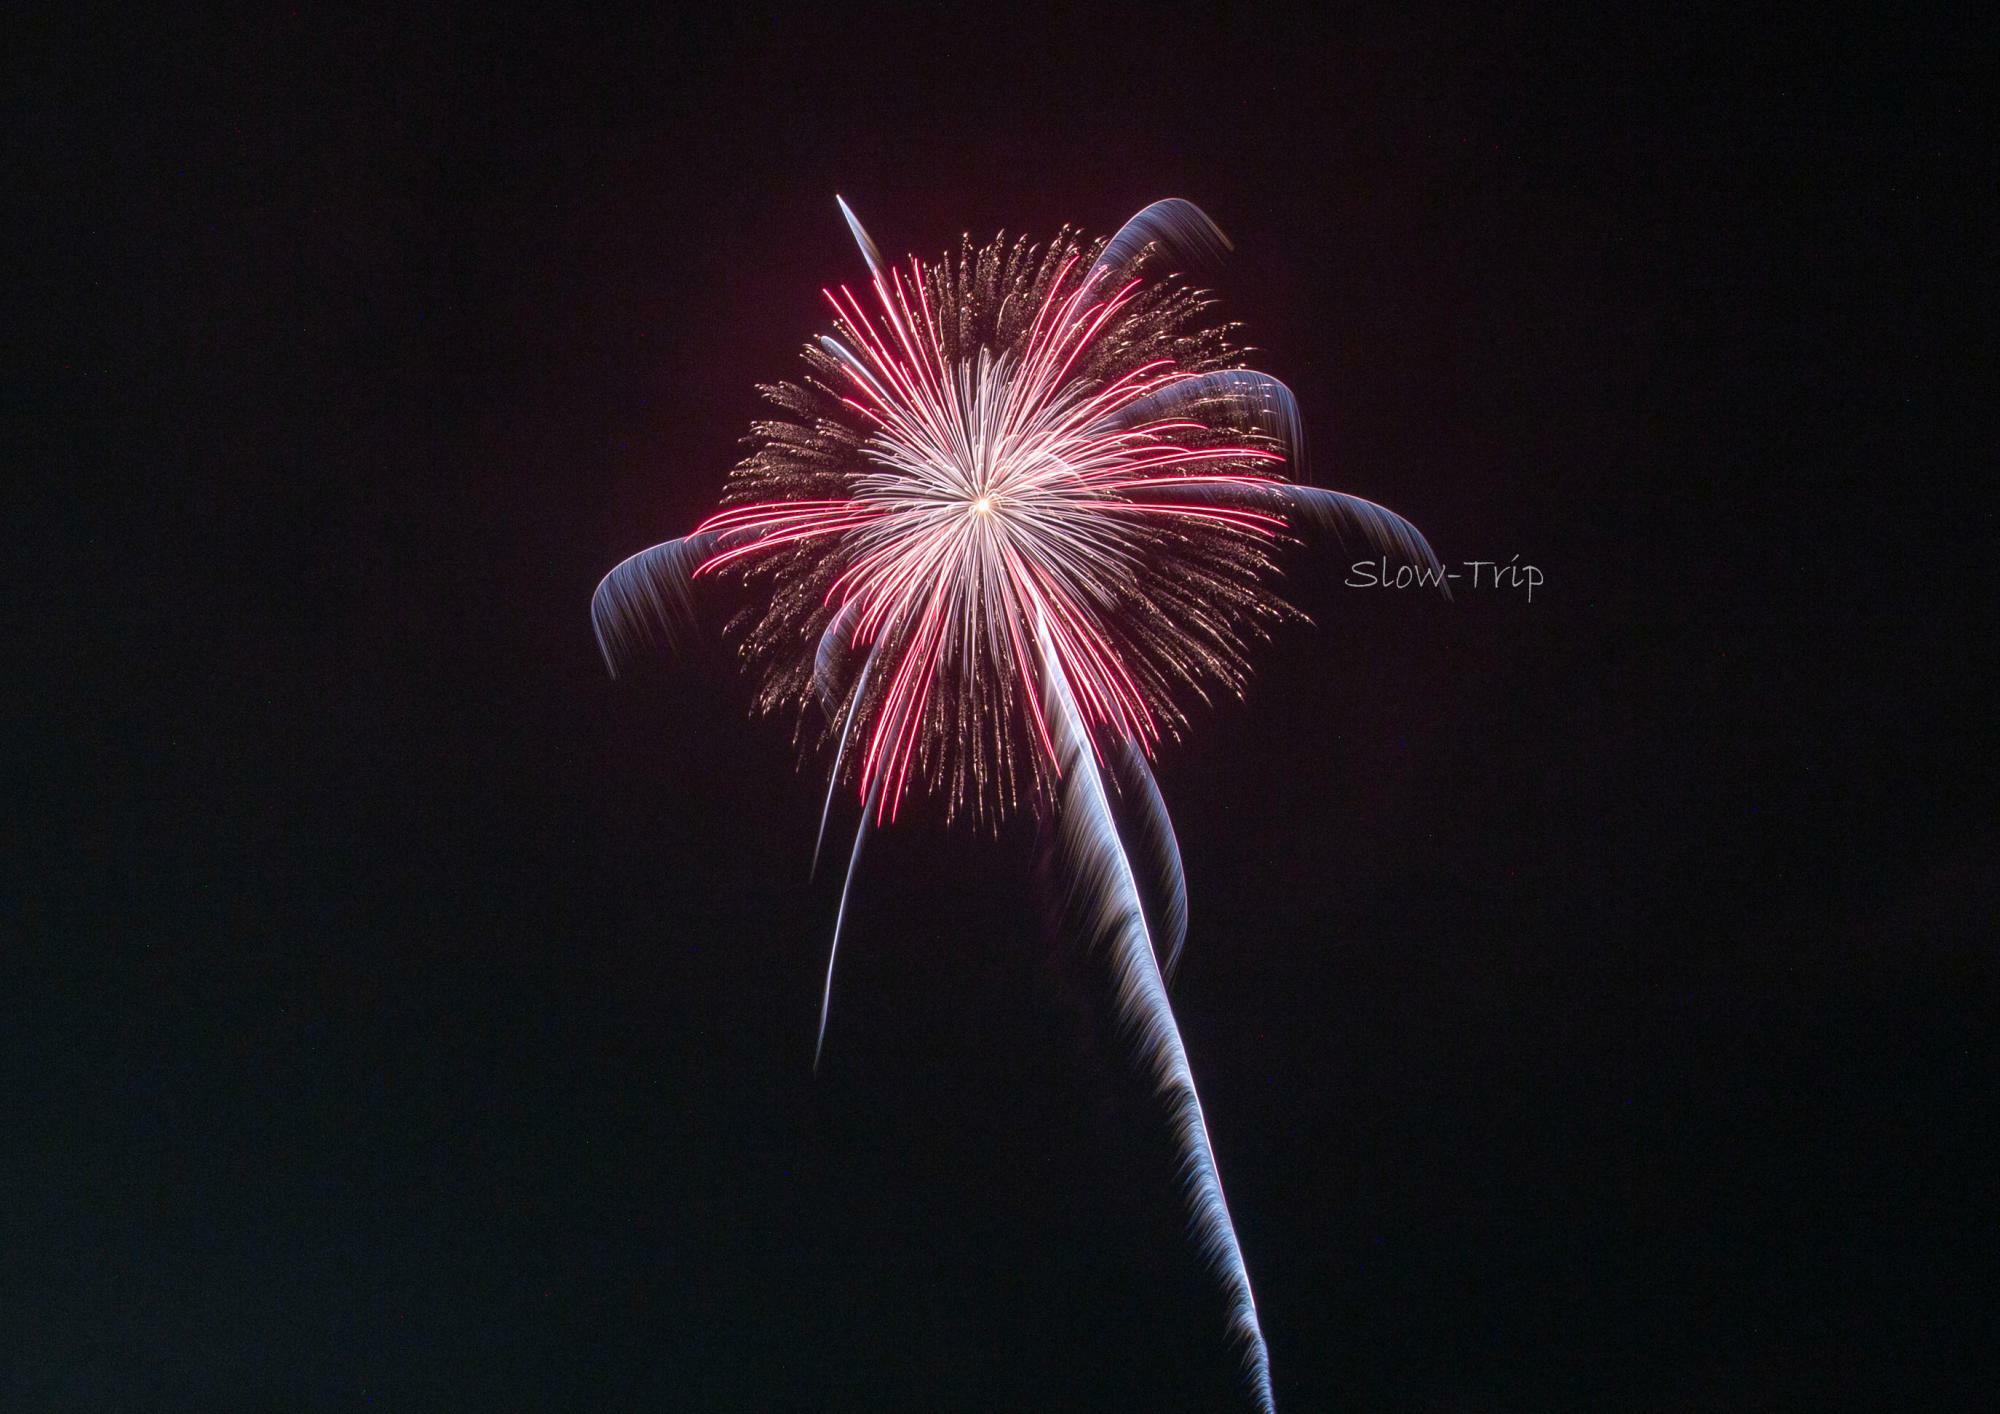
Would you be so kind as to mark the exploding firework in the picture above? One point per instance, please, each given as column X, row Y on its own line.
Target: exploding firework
column 1018, row 511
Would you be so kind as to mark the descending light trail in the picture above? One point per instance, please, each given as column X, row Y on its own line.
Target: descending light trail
column 1101, row 880
column 1015, row 510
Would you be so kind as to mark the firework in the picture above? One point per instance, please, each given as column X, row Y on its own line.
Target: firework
column 1018, row 510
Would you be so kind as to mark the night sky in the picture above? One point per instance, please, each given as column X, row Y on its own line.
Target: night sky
column 1591, row 997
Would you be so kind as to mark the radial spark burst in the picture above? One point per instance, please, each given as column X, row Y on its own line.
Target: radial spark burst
column 1019, row 508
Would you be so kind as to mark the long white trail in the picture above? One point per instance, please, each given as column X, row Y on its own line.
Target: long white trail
column 840, row 918
column 1104, row 890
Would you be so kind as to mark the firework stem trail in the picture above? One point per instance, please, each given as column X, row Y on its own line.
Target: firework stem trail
column 1102, row 883
column 833, row 949
column 833, row 779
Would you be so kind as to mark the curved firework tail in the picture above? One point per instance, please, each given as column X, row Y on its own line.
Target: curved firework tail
column 1105, row 897
column 1033, row 495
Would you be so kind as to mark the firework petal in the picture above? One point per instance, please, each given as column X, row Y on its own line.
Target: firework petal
column 647, row 600
column 1177, row 226
column 869, row 250
column 1243, row 396
column 1381, row 527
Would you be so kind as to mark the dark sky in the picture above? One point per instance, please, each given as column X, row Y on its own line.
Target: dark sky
column 1592, row 997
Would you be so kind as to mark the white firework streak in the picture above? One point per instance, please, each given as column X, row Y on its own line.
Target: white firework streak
column 1102, row 887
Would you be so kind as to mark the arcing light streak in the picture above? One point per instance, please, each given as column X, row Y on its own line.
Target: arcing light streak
column 1103, row 887
column 1040, row 491
column 1157, row 836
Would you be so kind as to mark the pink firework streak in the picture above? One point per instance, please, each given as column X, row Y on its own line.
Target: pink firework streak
column 1016, row 511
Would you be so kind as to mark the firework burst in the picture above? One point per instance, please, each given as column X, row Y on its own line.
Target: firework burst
column 1019, row 508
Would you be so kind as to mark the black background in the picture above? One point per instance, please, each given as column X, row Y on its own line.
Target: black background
column 1591, row 998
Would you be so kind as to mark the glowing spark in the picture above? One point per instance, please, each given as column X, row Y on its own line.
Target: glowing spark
column 1033, row 495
